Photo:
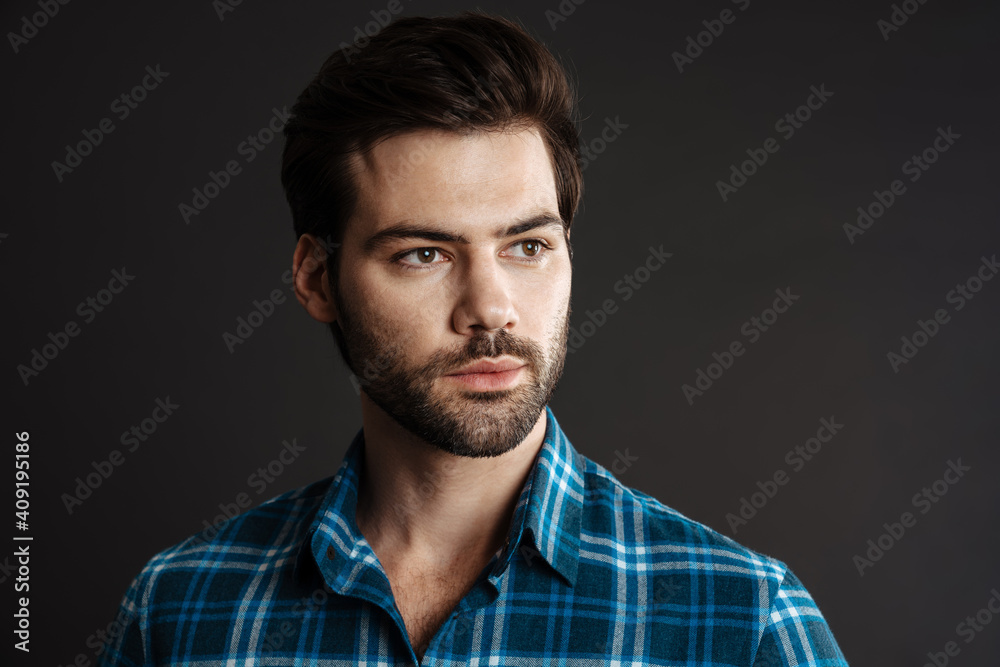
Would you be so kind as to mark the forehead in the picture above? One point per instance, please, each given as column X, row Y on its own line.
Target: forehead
column 471, row 181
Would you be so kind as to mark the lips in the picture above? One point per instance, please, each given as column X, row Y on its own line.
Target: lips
column 486, row 375
column 489, row 367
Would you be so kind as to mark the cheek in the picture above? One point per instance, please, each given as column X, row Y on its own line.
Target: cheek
column 552, row 292
column 543, row 309
column 539, row 304
column 405, row 316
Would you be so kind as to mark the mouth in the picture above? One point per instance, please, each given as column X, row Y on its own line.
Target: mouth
column 489, row 376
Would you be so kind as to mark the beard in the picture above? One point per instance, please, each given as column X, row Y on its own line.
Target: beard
column 461, row 422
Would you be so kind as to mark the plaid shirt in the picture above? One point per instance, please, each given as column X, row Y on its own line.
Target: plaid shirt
column 594, row 573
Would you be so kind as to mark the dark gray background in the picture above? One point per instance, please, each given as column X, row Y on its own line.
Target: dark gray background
column 653, row 185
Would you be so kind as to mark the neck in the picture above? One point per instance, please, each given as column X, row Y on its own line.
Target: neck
column 424, row 508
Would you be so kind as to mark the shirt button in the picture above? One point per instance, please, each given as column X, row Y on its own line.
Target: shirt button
column 331, row 553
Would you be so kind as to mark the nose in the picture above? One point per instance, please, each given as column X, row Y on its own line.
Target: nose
column 483, row 295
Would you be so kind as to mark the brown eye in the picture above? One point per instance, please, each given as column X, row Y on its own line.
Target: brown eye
column 425, row 257
column 533, row 249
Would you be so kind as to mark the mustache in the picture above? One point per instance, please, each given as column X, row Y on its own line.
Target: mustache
column 486, row 345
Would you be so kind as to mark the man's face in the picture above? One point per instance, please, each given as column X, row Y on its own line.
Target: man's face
column 415, row 307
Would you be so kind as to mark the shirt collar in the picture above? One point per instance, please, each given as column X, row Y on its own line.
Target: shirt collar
column 546, row 520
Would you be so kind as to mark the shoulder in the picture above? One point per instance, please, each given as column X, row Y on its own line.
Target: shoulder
column 663, row 541
column 217, row 566
column 264, row 537
column 688, row 571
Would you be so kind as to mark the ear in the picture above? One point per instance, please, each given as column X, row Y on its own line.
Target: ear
column 312, row 284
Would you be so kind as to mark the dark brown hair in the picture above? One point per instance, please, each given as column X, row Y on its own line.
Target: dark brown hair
column 468, row 73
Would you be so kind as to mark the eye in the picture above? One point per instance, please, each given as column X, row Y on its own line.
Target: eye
column 532, row 247
column 423, row 255
column 533, row 251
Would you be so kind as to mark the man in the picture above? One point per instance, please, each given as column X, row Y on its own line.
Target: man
column 438, row 166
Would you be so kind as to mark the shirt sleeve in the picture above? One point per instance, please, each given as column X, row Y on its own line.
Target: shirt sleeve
column 126, row 642
column 795, row 632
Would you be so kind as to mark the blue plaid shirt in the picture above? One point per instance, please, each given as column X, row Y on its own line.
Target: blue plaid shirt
column 594, row 573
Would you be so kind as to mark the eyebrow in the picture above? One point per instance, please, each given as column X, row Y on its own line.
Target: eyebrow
column 405, row 230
